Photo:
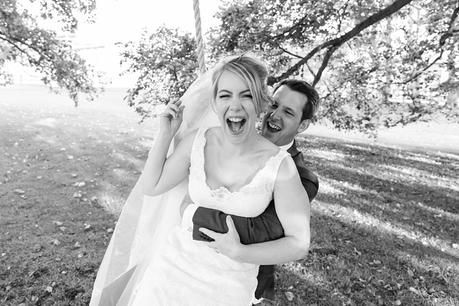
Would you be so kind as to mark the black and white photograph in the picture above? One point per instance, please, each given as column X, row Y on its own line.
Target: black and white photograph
column 234, row 153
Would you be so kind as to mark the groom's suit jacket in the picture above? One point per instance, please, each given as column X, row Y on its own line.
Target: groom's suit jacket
column 266, row 226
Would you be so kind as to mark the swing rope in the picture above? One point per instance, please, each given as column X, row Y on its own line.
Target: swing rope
column 200, row 42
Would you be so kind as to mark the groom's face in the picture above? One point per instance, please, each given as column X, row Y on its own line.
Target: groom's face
column 283, row 117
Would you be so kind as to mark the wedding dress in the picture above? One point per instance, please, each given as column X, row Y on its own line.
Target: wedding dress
column 152, row 258
column 188, row 272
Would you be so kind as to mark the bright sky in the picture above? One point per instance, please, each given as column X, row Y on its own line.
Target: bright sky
column 122, row 20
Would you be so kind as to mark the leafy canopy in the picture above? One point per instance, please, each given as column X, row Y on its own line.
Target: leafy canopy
column 375, row 63
column 166, row 63
column 25, row 38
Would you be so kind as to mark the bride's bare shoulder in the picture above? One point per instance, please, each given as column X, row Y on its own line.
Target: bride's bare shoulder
column 268, row 146
column 213, row 135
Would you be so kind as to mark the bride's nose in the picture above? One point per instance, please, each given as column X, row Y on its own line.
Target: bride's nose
column 236, row 103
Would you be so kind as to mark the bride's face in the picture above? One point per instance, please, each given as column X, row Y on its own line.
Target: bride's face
column 234, row 107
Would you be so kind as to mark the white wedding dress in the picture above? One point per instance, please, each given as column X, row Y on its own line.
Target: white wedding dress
column 188, row 272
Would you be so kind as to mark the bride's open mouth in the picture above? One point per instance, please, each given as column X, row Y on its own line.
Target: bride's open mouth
column 236, row 124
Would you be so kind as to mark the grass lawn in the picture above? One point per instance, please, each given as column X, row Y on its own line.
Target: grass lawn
column 385, row 223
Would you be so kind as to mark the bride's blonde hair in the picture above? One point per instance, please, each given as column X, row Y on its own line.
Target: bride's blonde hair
column 249, row 69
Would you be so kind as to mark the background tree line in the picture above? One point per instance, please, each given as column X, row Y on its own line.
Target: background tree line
column 375, row 63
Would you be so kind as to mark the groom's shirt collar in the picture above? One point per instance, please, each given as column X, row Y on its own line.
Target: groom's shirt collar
column 287, row 146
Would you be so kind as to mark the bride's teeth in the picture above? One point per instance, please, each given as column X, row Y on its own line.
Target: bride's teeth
column 235, row 124
column 235, row 119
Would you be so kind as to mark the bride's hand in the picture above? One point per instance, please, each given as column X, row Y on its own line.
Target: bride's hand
column 226, row 243
column 171, row 118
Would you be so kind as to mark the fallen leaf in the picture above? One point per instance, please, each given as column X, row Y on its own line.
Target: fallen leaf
column 410, row 273
column 80, row 184
column 289, row 295
column 77, row 195
column 414, row 290
column 357, row 252
column 19, row 191
column 55, row 242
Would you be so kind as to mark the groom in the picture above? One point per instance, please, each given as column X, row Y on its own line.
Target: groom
column 294, row 105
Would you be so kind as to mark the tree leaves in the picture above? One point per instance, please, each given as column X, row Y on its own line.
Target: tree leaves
column 166, row 63
column 363, row 53
column 23, row 40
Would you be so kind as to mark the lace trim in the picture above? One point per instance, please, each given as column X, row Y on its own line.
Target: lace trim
column 197, row 171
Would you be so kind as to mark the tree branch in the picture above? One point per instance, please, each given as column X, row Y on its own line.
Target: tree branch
column 325, row 61
column 344, row 8
column 12, row 39
column 442, row 41
column 337, row 42
column 289, row 29
column 289, row 53
column 2, row 37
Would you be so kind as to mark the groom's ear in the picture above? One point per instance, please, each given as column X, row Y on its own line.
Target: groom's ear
column 303, row 125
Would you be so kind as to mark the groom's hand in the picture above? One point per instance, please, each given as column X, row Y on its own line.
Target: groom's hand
column 227, row 243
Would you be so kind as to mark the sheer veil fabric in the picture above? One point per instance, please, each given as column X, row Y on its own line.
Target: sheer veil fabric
column 145, row 221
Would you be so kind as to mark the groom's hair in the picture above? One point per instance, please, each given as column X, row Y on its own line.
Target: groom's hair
column 303, row 87
column 252, row 71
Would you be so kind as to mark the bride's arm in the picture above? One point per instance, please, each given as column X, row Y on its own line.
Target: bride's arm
column 161, row 173
column 290, row 199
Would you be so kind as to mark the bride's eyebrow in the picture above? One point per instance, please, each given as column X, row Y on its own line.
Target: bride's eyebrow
column 224, row 91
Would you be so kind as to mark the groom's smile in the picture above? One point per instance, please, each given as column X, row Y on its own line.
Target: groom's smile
column 283, row 118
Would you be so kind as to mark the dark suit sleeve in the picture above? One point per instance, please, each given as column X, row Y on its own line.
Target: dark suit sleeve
column 310, row 182
column 264, row 227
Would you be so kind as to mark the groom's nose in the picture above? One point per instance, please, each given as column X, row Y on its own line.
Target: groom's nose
column 274, row 113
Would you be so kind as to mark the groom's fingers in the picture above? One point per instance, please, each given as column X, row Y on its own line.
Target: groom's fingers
column 208, row 232
column 230, row 223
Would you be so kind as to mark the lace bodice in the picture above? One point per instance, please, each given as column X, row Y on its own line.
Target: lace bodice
column 249, row 201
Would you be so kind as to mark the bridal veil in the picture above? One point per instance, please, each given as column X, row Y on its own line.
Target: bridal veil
column 145, row 221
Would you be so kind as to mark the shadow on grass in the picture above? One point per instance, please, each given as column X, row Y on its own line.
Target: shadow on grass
column 384, row 220
column 384, row 225
column 354, row 264
column 425, row 202
column 56, row 186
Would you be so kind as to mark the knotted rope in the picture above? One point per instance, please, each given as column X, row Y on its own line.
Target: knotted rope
column 200, row 43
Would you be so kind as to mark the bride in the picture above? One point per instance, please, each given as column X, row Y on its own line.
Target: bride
column 229, row 167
